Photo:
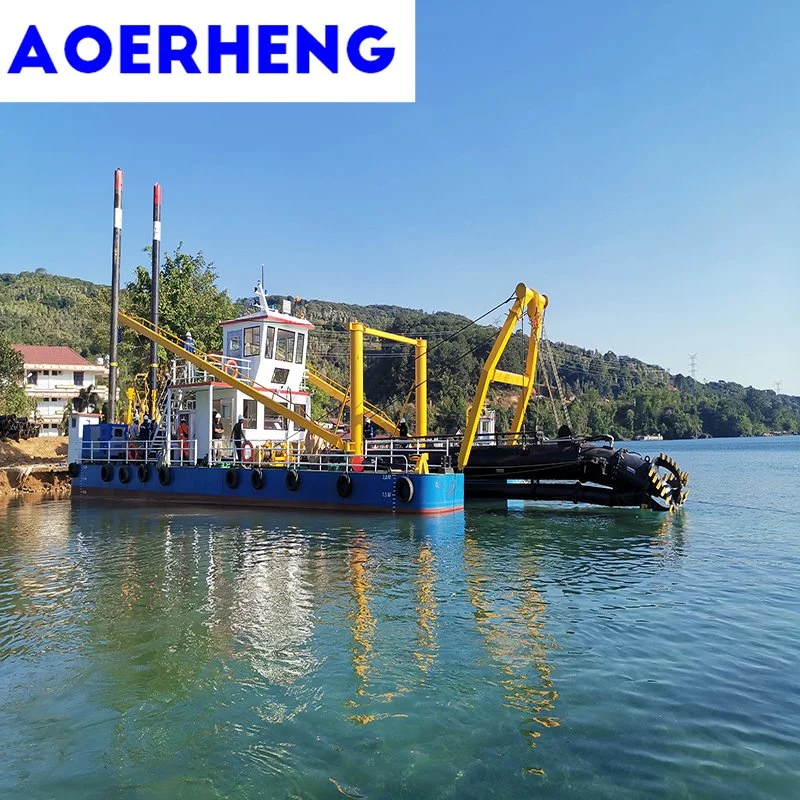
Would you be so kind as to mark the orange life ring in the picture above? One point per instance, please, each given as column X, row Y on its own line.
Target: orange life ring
column 357, row 463
column 133, row 451
column 247, row 451
column 231, row 367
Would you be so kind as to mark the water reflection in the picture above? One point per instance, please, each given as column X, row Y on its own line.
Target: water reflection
column 237, row 625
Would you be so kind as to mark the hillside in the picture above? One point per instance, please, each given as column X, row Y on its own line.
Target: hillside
column 604, row 392
column 40, row 308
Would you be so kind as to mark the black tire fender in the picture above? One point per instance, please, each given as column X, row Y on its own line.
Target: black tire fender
column 232, row 478
column 124, row 474
column 257, row 479
column 404, row 488
column 143, row 472
column 344, row 485
column 107, row 472
column 164, row 476
column 74, row 469
column 292, row 480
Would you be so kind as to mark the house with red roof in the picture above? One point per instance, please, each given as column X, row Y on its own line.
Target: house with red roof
column 56, row 375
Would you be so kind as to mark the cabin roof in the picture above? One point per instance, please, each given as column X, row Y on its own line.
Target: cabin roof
column 271, row 316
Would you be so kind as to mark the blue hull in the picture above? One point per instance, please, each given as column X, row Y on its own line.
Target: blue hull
column 432, row 494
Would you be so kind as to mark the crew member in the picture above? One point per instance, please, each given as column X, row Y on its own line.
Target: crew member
column 188, row 345
column 183, row 439
column 145, row 431
column 402, row 429
column 237, row 435
column 369, row 429
column 217, row 432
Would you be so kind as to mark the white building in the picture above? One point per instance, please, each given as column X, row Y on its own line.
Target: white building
column 56, row 375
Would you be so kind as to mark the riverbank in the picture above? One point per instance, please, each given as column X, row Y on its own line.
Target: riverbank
column 34, row 466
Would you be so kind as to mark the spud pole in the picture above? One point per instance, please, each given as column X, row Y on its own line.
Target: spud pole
column 154, row 280
column 116, row 252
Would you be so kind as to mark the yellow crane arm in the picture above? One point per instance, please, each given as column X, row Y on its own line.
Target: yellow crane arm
column 340, row 393
column 531, row 302
column 242, row 384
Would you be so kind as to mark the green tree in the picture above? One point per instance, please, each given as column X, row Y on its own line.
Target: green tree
column 13, row 399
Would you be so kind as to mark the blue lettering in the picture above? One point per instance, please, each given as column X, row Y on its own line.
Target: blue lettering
column 381, row 56
column 24, row 59
column 327, row 54
column 217, row 48
column 184, row 55
column 128, row 49
column 267, row 48
column 95, row 34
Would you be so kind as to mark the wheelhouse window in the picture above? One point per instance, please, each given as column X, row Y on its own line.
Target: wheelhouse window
column 300, row 409
column 234, row 346
column 301, row 343
column 250, row 412
column 269, row 349
column 284, row 345
column 280, row 375
column 252, row 341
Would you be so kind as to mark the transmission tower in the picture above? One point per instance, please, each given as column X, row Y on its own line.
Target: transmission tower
column 693, row 365
column 778, row 385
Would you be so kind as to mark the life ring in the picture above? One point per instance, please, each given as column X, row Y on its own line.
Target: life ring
column 344, row 485
column 74, row 470
column 357, row 462
column 144, row 473
column 292, row 480
column 107, row 472
column 247, row 451
column 257, row 479
column 404, row 489
column 232, row 478
column 232, row 368
column 124, row 474
column 164, row 476
column 133, row 451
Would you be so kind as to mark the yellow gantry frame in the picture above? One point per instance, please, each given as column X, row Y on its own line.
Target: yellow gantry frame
column 531, row 302
column 357, row 332
column 244, row 385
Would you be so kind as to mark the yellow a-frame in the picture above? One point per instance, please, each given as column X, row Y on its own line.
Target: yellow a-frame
column 533, row 304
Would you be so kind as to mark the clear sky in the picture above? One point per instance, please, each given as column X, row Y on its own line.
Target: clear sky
column 639, row 162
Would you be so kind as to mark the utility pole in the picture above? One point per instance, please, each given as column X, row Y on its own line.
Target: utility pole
column 693, row 365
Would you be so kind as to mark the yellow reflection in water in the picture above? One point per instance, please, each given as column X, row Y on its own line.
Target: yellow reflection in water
column 513, row 625
column 427, row 609
column 363, row 621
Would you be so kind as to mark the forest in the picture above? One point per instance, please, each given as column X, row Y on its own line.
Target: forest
column 596, row 392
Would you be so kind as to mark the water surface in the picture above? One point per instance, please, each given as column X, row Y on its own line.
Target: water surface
column 511, row 651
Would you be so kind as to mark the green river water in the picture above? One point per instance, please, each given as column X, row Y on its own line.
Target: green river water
column 528, row 651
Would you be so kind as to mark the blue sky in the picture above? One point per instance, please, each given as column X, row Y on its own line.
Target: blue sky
column 637, row 162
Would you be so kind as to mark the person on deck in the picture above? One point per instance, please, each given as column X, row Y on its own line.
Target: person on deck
column 183, row 440
column 237, row 436
column 402, row 429
column 188, row 345
column 217, row 432
column 369, row 429
column 145, row 431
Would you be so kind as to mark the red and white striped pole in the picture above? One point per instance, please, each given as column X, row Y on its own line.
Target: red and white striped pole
column 116, row 254
column 154, row 281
